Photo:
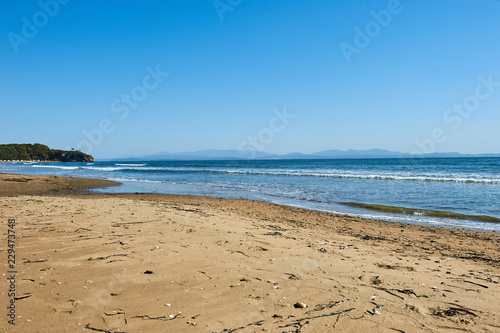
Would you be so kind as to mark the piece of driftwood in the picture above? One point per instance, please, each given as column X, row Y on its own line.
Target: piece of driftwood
column 88, row 327
column 328, row 305
column 22, row 297
column 121, row 224
column 292, row 276
column 164, row 318
column 83, row 229
column 389, row 292
column 453, row 311
column 477, row 284
column 336, row 321
column 208, row 276
column 241, row 252
column 257, row 323
column 454, row 328
column 111, row 255
column 318, row 316
column 462, row 307
column 34, row 261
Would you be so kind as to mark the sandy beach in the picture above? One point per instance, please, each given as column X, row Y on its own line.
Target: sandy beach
column 166, row 263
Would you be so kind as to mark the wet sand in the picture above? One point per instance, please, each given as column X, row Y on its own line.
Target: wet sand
column 167, row 263
column 11, row 185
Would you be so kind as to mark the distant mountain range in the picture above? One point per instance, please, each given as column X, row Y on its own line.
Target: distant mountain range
column 213, row 154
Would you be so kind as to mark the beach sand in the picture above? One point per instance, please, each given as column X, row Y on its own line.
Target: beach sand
column 220, row 265
column 12, row 185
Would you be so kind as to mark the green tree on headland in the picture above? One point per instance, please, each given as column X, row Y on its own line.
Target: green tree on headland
column 29, row 152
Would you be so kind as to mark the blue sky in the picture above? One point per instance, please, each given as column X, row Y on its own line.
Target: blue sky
column 411, row 76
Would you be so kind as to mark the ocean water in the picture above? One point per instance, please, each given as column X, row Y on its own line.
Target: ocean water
column 469, row 186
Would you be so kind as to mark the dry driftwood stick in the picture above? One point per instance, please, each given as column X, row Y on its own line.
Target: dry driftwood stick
column 336, row 321
column 17, row 298
column 454, row 328
column 83, row 229
column 477, row 284
column 241, row 252
column 319, row 316
column 329, row 305
column 208, row 276
column 299, row 326
column 258, row 323
column 165, row 318
column 451, row 311
column 34, row 261
column 111, row 255
column 389, row 292
column 88, row 327
column 121, row 224
column 292, row 276
column 450, row 285
column 463, row 307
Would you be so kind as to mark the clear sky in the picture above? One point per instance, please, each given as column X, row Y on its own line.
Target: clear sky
column 118, row 78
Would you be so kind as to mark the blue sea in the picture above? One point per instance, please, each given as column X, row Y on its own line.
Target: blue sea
column 469, row 186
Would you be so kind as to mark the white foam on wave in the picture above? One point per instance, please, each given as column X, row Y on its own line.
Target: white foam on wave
column 451, row 178
column 102, row 168
column 350, row 174
column 131, row 164
column 119, row 168
column 455, row 178
column 405, row 218
column 55, row 167
column 135, row 180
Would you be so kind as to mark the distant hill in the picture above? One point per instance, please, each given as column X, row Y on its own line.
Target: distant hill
column 29, row 152
column 210, row 154
column 251, row 154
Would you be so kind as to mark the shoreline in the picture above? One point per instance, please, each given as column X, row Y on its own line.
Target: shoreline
column 422, row 212
column 159, row 262
column 75, row 186
column 69, row 184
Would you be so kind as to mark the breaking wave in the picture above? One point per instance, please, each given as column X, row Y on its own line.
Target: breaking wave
column 453, row 178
